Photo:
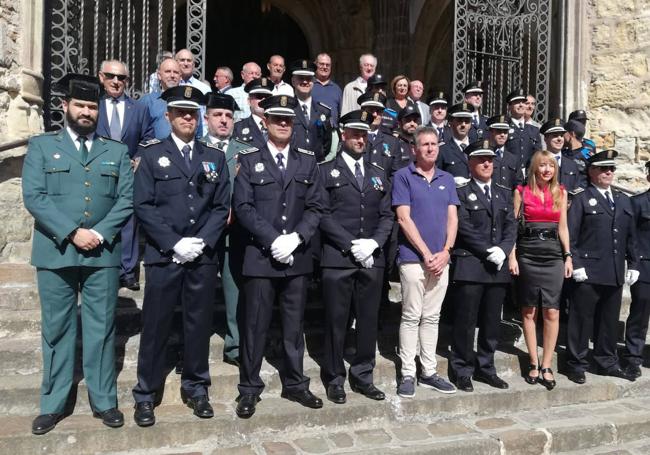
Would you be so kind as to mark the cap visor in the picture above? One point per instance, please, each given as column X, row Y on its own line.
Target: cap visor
column 281, row 111
column 372, row 104
column 555, row 129
column 357, row 126
column 261, row 90
column 499, row 126
column 461, row 115
column 431, row 103
column 482, row 152
column 184, row 104
column 303, row 73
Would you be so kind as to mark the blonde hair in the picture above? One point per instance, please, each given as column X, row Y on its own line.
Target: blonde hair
column 554, row 186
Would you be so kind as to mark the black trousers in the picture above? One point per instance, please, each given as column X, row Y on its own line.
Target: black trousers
column 594, row 309
column 191, row 285
column 482, row 303
column 636, row 326
column 344, row 289
column 259, row 296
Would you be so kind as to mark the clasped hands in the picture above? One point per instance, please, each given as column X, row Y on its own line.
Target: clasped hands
column 187, row 249
column 496, row 256
column 283, row 247
column 86, row 239
column 362, row 250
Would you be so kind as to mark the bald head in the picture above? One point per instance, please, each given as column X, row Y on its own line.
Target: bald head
column 250, row 71
column 185, row 59
column 169, row 73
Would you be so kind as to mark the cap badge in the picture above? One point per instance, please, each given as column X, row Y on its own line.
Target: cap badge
column 486, row 144
column 259, row 167
column 188, row 92
column 335, row 173
column 304, row 64
column 364, row 116
column 557, row 122
column 472, row 197
column 283, row 101
column 264, row 82
column 163, row 161
column 375, row 97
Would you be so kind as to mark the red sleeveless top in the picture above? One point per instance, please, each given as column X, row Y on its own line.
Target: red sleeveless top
column 536, row 211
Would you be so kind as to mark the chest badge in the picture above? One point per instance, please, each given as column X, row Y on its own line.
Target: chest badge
column 592, row 202
column 472, row 197
column 377, row 183
column 259, row 167
column 163, row 161
column 245, row 131
column 323, row 118
column 210, row 171
column 56, row 156
column 335, row 173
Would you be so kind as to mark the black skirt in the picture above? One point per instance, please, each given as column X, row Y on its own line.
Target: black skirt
column 541, row 269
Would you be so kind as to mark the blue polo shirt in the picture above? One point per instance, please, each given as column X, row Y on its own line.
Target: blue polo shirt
column 157, row 108
column 329, row 94
column 429, row 202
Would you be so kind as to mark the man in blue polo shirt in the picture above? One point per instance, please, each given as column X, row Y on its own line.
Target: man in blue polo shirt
column 426, row 203
column 325, row 90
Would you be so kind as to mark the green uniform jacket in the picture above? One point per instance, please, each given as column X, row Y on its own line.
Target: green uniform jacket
column 62, row 193
column 234, row 147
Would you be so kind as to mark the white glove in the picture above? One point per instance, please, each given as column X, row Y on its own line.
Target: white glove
column 631, row 277
column 284, row 245
column 362, row 248
column 286, row 260
column 496, row 256
column 188, row 248
column 368, row 262
column 580, row 275
column 178, row 260
column 458, row 180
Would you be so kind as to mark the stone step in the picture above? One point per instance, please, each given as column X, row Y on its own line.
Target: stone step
column 524, row 419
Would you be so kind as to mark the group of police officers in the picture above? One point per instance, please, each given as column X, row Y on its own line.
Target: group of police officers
column 255, row 202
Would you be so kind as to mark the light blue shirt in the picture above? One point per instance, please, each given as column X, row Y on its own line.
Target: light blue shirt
column 241, row 97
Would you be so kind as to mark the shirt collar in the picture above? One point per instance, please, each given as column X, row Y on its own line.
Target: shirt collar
column 274, row 151
column 481, row 185
column 180, row 144
column 464, row 141
column 74, row 136
column 351, row 161
column 602, row 191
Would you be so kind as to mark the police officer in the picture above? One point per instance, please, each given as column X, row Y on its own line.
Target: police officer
column 507, row 170
column 78, row 187
column 408, row 120
column 636, row 326
column 277, row 200
column 438, row 110
column 357, row 220
column 524, row 138
column 451, row 158
column 602, row 233
column 473, row 93
column 220, row 114
column 486, row 235
column 312, row 125
column 575, row 147
column 182, row 199
column 569, row 176
column 381, row 147
column 251, row 130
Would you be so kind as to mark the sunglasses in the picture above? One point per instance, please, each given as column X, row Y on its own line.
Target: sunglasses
column 258, row 96
column 607, row 168
column 120, row 77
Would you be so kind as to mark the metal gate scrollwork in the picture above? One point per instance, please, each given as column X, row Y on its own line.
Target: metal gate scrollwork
column 505, row 44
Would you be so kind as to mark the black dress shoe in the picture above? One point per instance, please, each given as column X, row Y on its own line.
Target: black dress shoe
column 143, row 415
column 201, row 406
column 464, row 383
column 368, row 390
column 336, row 393
column 130, row 283
column 634, row 370
column 45, row 422
column 492, row 380
column 246, row 405
column 620, row 373
column 577, row 376
column 305, row 398
column 111, row 417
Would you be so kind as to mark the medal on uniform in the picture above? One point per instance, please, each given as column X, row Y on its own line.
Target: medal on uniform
column 335, row 173
column 471, row 197
column 377, row 183
column 56, row 156
column 593, row 202
column 259, row 167
column 210, row 171
column 245, row 131
column 386, row 149
column 163, row 161
column 323, row 117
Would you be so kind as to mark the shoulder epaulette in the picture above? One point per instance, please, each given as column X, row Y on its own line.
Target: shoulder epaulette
column 46, row 133
column 150, row 142
column 106, row 138
column 209, row 144
column 326, row 161
column 305, row 151
column 249, row 150
column 325, row 106
column 576, row 191
column 378, row 166
column 503, row 186
column 460, row 184
column 461, row 181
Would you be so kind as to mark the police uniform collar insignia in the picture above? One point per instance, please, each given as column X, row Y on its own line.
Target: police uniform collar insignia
column 377, row 183
column 210, row 171
column 593, row 202
column 56, row 156
column 259, row 167
column 335, row 173
column 377, row 166
column 163, row 161
column 472, row 197
column 249, row 150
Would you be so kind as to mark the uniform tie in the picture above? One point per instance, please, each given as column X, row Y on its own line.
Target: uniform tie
column 186, row 151
column 358, row 174
column 463, row 146
column 222, row 145
column 440, row 134
column 608, row 196
column 557, row 158
column 499, row 152
column 280, row 158
column 486, row 189
column 115, row 126
column 305, row 111
column 83, row 151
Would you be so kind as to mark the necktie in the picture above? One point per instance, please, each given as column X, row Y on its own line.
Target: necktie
column 608, row 196
column 558, row 157
column 475, row 121
column 463, row 145
column 305, row 111
column 372, row 136
column 486, row 189
column 83, row 151
column 440, row 133
column 222, row 145
column 186, row 150
column 499, row 152
column 115, row 127
column 358, row 175
column 281, row 167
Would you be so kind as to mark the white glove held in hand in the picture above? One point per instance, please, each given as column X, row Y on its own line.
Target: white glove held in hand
column 580, row 275
column 496, row 256
column 284, row 245
column 188, row 249
column 368, row 262
column 631, row 277
column 363, row 248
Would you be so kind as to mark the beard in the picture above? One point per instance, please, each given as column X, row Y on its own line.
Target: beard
column 81, row 130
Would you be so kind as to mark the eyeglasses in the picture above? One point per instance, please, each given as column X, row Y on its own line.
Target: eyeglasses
column 607, row 168
column 120, row 77
column 258, row 96
column 323, row 64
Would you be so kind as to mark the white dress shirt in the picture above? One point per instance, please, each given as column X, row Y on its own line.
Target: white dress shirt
column 351, row 162
column 121, row 103
column 73, row 135
column 274, row 152
column 180, row 144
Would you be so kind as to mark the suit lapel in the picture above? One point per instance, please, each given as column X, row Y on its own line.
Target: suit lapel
column 176, row 156
column 98, row 148
column 340, row 162
column 293, row 161
column 459, row 152
column 65, row 145
column 270, row 164
column 197, row 158
column 102, row 120
column 301, row 116
column 601, row 200
column 129, row 106
column 481, row 196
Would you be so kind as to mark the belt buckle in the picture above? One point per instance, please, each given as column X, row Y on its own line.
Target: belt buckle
column 542, row 235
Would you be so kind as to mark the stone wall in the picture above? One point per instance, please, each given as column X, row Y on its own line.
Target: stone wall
column 618, row 78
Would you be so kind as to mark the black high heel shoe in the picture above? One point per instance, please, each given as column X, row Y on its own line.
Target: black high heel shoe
column 548, row 383
column 532, row 379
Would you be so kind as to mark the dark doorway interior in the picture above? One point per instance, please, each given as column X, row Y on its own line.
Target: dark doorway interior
column 239, row 32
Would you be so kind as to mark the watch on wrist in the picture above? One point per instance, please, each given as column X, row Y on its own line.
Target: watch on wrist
column 567, row 254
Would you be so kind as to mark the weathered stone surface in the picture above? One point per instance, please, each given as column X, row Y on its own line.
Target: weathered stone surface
column 523, row 442
column 370, row 437
column 493, row 423
column 312, row 445
column 278, row 448
column 16, row 221
column 581, row 437
column 410, row 432
column 448, row 428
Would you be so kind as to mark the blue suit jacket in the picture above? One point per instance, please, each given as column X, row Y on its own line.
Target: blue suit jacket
column 136, row 126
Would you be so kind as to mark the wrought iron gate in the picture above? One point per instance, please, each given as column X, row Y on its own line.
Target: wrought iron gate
column 80, row 34
column 506, row 44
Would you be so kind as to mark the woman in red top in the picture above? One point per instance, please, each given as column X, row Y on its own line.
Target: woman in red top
column 541, row 260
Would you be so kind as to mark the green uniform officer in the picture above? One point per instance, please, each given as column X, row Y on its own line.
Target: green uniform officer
column 78, row 187
column 219, row 116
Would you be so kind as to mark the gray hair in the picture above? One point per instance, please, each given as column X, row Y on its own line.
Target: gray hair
column 107, row 62
column 363, row 56
column 421, row 131
column 226, row 70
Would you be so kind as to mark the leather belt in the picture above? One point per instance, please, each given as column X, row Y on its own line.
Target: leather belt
column 542, row 234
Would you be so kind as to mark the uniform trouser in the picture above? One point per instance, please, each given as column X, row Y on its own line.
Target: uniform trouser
column 422, row 296
column 130, row 248
column 636, row 326
column 58, row 290
column 342, row 289
column 231, row 280
column 594, row 308
column 191, row 285
column 259, row 296
column 482, row 303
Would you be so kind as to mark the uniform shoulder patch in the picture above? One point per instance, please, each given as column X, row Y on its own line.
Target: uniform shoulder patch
column 305, row 151
column 378, row 166
column 249, row 150
column 150, row 142
column 503, row 186
column 325, row 106
column 106, row 138
column 576, row 191
column 46, row 133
